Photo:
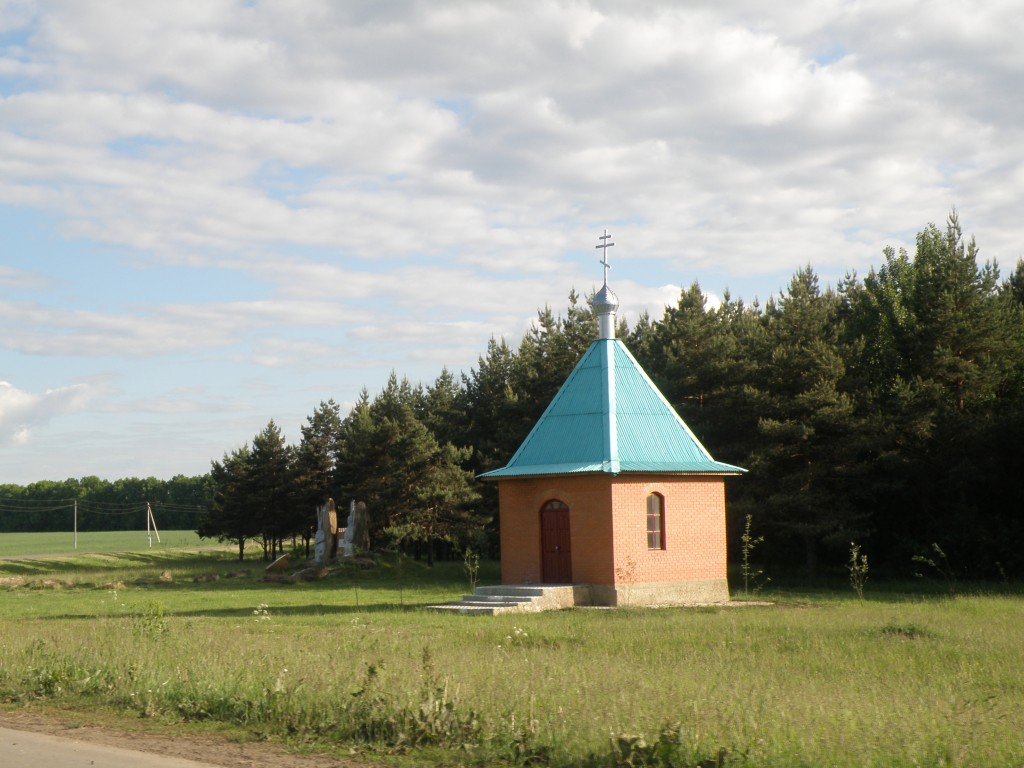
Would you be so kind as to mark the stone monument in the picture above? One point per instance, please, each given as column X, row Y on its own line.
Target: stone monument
column 356, row 532
column 325, row 545
column 347, row 543
column 362, row 534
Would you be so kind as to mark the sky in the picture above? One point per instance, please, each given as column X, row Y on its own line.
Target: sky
column 217, row 213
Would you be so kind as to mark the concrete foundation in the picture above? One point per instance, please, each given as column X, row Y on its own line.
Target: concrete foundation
column 661, row 593
column 532, row 598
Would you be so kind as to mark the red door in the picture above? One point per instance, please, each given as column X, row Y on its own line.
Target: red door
column 556, row 551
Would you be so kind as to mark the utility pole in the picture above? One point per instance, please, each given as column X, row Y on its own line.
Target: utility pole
column 151, row 521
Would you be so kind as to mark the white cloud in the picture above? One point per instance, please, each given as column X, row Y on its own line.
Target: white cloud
column 237, row 196
column 21, row 412
column 18, row 279
column 160, row 330
column 660, row 114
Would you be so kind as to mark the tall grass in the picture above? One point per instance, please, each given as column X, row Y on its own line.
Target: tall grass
column 821, row 679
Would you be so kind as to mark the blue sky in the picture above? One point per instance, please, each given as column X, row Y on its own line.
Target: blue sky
column 219, row 213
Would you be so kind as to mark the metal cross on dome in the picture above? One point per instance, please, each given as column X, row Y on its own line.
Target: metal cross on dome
column 604, row 246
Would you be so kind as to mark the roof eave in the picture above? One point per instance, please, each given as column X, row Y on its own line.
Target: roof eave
column 526, row 473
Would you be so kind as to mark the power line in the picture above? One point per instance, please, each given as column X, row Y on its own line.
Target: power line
column 111, row 505
column 16, row 500
column 98, row 507
column 11, row 508
column 172, row 507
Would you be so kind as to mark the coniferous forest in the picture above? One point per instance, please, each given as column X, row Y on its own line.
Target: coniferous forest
column 887, row 410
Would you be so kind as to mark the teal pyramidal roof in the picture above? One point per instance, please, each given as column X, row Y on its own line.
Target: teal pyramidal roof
column 609, row 417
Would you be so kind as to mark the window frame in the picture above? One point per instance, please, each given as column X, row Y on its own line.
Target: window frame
column 657, row 517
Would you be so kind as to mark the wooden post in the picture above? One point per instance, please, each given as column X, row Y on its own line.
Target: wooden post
column 149, row 512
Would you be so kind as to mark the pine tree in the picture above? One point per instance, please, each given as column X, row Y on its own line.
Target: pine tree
column 491, row 402
column 940, row 359
column 439, row 408
column 415, row 490
column 427, row 493
column 549, row 352
column 804, row 471
column 230, row 516
column 357, row 469
column 1013, row 288
column 316, row 462
column 273, row 501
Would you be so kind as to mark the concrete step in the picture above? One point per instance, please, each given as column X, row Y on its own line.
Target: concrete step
column 508, row 598
column 474, row 610
column 511, row 590
column 479, row 597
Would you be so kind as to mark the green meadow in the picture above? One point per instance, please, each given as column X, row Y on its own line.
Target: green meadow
column 354, row 664
column 67, row 543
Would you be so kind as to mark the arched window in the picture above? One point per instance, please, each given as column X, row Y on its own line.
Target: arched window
column 655, row 521
column 552, row 504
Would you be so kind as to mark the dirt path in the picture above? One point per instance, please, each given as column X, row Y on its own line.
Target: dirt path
column 204, row 749
column 26, row 749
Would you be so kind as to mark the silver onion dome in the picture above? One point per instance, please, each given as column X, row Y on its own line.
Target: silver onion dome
column 605, row 301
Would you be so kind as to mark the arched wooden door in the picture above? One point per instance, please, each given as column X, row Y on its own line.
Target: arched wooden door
column 555, row 544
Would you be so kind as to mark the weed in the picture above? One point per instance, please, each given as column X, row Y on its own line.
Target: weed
column 516, row 740
column 940, row 563
column 752, row 578
column 434, row 720
column 858, row 568
column 437, row 720
column 626, row 574
column 50, row 674
column 1002, row 574
column 262, row 612
column 471, row 564
column 905, row 631
column 44, row 676
column 669, row 750
column 151, row 622
column 518, row 637
column 369, row 711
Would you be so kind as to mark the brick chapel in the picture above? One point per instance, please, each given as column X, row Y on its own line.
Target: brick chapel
column 611, row 491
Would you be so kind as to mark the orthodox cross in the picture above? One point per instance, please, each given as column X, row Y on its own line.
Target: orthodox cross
column 604, row 246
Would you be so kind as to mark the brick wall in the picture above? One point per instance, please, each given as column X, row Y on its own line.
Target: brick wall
column 694, row 534
column 609, row 549
column 589, row 501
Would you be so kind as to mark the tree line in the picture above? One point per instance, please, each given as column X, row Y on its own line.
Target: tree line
column 104, row 505
column 885, row 410
column 385, row 453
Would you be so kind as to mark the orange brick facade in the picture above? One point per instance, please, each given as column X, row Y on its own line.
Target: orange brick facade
column 608, row 529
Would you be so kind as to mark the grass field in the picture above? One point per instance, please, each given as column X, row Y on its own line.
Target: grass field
column 20, row 544
column 354, row 662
